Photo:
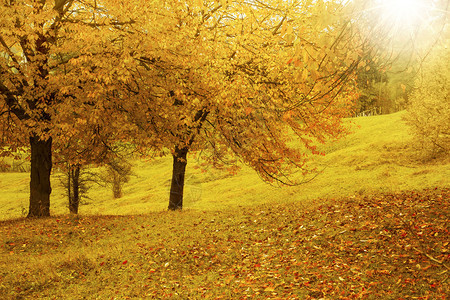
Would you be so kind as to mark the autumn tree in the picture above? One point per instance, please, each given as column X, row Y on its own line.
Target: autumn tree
column 429, row 111
column 261, row 82
column 83, row 146
column 57, row 57
column 371, row 82
column 118, row 172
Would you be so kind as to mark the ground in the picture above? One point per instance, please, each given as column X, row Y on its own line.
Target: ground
column 383, row 246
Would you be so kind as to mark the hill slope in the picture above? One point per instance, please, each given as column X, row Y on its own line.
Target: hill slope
column 376, row 157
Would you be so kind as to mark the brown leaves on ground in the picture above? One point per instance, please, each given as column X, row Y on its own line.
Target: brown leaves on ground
column 385, row 246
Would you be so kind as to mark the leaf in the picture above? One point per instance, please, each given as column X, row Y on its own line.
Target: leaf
column 270, row 288
column 305, row 74
column 224, row 3
column 403, row 87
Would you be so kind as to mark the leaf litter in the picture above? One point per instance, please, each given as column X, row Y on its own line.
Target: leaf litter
column 380, row 246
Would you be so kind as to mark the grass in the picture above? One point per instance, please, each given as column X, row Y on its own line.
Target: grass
column 385, row 246
column 377, row 157
column 373, row 225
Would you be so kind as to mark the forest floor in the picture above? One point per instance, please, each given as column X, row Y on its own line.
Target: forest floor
column 378, row 246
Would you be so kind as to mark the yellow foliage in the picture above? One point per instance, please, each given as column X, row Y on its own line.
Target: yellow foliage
column 429, row 111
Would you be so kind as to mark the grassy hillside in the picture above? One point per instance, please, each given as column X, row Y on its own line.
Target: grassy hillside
column 376, row 157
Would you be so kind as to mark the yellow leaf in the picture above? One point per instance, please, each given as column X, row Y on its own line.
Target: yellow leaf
column 269, row 289
column 289, row 28
column 314, row 74
column 305, row 74
column 290, row 38
column 283, row 28
column 305, row 56
column 403, row 87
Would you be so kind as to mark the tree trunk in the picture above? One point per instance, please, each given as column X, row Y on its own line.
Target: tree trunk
column 41, row 166
column 69, row 184
column 74, row 189
column 117, row 185
column 178, row 174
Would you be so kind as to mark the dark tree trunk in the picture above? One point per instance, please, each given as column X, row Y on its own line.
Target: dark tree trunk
column 178, row 174
column 41, row 167
column 74, row 189
column 69, row 184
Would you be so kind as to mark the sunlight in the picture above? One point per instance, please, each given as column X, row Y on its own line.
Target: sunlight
column 403, row 13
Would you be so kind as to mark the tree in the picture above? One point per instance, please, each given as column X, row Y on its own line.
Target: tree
column 56, row 59
column 429, row 111
column 371, row 82
column 118, row 173
column 263, row 82
column 75, row 152
column 423, row 35
column 74, row 186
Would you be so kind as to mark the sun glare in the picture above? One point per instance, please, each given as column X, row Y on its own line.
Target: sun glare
column 403, row 12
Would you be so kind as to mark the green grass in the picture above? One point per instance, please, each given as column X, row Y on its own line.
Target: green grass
column 377, row 156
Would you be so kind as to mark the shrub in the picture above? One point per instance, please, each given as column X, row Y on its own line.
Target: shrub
column 429, row 111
